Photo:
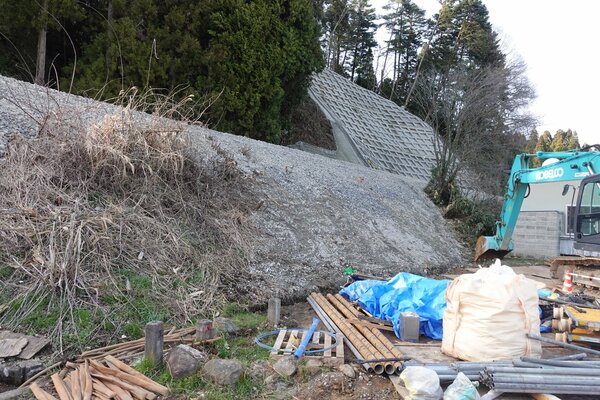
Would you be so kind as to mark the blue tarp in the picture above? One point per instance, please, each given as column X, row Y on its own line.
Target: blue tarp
column 404, row 292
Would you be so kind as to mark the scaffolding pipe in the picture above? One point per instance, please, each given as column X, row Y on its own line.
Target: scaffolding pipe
column 565, row 345
column 362, row 345
column 546, row 379
column 537, row 388
column 543, row 371
column 567, row 364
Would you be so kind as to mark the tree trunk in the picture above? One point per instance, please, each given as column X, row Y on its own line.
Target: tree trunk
column 109, row 21
column 40, row 65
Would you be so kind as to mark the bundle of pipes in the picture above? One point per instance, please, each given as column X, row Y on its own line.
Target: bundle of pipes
column 531, row 375
column 447, row 372
column 368, row 344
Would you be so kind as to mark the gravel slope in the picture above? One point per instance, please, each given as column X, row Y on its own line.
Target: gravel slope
column 318, row 214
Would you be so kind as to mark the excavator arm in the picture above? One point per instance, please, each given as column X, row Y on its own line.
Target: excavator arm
column 560, row 166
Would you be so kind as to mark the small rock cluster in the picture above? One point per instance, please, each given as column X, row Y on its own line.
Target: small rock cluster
column 184, row 361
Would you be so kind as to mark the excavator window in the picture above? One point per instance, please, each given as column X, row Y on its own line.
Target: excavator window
column 589, row 210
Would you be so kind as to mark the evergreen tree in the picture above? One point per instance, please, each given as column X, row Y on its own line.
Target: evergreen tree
column 407, row 26
column 361, row 42
column 337, row 30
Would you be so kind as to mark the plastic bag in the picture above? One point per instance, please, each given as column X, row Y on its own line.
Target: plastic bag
column 422, row 383
column 405, row 292
column 461, row 389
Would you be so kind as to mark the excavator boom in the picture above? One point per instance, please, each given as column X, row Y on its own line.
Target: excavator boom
column 559, row 166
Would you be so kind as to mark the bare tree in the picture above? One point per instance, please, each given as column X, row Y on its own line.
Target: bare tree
column 478, row 115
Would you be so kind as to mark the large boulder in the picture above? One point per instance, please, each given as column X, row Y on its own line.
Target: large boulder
column 184, row 361
column 223, row 372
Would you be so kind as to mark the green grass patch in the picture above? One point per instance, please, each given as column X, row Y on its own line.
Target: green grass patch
column 5, row 272
column 241, row 348
column 244, row 319
column 189, row 387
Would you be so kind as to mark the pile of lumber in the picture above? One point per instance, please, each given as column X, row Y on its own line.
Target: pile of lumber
column 135, row 348
column 103, row 379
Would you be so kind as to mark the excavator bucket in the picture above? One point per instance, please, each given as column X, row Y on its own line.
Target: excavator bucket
column 487, row 249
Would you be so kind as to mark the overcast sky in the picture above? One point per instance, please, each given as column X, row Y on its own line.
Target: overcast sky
column 558, row 41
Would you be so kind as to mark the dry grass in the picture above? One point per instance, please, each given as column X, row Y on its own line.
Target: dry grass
column 87, row 207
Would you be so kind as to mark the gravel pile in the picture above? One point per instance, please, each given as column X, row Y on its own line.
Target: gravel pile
column 317, row 215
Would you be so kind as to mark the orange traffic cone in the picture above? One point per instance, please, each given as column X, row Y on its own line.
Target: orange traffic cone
column 568, row 282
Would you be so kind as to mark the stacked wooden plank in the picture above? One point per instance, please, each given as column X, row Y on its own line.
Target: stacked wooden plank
column 104, row 379
column 135, row 348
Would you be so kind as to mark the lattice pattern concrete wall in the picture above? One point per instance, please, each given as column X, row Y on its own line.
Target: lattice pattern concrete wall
column 386, row 135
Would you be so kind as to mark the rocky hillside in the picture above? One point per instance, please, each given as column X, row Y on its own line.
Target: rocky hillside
column 314, row 215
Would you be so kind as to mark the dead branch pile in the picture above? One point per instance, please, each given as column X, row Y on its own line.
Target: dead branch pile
column 83, row 203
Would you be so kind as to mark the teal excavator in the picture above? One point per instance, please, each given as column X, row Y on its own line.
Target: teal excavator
column 583, row 165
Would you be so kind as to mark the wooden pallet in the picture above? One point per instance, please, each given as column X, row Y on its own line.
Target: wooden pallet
column 289, row 339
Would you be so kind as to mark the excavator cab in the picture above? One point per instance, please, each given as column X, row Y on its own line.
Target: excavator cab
column 587, row 220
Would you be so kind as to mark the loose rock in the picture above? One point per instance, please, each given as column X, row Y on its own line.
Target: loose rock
column 286, row 366
column 347, row 370
column 17, row 372
column 223, row 372
column 184, row 361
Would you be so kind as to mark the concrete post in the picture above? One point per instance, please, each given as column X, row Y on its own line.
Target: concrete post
column 274, row 311
column 204, row 330
column 153, row 343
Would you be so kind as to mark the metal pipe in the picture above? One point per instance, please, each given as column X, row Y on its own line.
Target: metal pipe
column 538, row 388
column 543, row 371
column 523, row 364
column 374, row 339
column 565, row 345
column 390, row 349
column 579, row 356
column 333, row 328
column 546, row 379
column 574, row 364
column 362, row 345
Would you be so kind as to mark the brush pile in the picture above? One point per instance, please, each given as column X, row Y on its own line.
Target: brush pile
column 85, row 207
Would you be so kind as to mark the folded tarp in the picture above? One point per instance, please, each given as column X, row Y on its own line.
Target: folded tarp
column 404, row 292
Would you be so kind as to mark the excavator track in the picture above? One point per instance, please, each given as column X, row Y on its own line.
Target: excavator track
column 582, row 265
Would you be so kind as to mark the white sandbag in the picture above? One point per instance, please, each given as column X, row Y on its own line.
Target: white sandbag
column 488, row 315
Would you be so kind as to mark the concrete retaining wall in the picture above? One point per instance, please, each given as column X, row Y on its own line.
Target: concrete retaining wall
column 537, row 234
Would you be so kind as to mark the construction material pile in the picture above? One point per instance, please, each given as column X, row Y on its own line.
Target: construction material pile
column 106, row 379
column 374, row 351
column 544, row 376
